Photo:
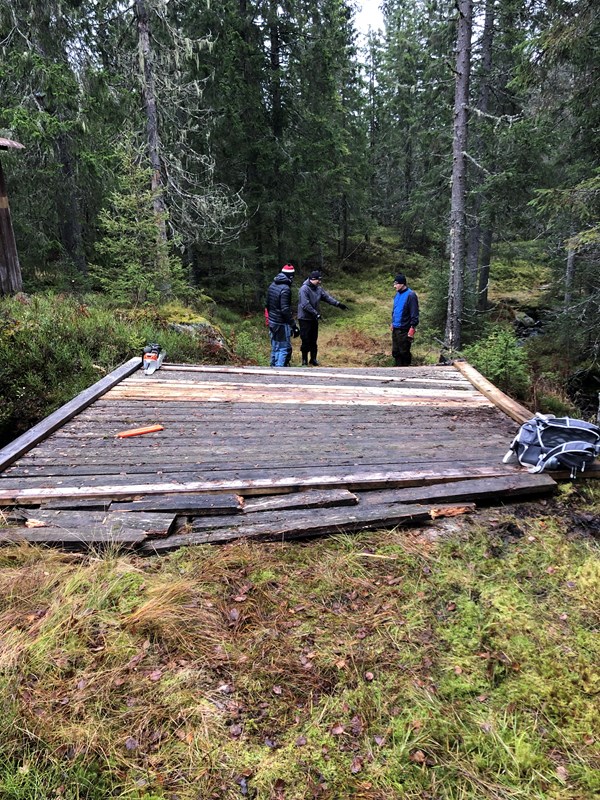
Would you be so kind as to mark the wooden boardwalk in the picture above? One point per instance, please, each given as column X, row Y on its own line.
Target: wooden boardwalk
column 235, row 438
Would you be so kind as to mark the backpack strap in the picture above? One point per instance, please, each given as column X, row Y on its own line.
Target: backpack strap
column 573, row 455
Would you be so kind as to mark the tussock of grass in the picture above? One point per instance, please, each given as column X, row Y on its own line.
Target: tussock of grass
column 458, row 665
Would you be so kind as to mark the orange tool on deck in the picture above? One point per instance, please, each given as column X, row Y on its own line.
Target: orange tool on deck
column 139, row 431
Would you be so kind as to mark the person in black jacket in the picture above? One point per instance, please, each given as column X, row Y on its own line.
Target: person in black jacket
column 309, row 314
column 280, row 318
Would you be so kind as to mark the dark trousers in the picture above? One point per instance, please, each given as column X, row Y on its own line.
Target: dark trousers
column 401, row 345
column 309, row 333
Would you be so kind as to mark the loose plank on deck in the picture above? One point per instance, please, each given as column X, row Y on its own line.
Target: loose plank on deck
column 296, row 525
column 152, row 524
column 196, row 504
column 480, row 490
column 73, row 539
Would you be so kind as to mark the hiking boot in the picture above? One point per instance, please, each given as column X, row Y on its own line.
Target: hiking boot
column 305, row 362
column 313, row 362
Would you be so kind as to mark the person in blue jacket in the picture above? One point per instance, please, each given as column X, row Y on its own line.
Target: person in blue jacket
column 405, row 318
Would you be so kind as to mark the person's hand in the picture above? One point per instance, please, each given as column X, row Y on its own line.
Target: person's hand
column 318, row 316
column 343, row 306
column 411, row 333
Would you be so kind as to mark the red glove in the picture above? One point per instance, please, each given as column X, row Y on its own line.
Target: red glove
column 411, row 333
column 266, row 316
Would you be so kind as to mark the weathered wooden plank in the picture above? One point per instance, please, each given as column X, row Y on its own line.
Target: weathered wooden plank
column 102, row 434
column 325, row 373
column 261, row 484
column 72, row 539
column 495, row 488
column 184, row 472
column 95, row 504
column 134, row 410
column 296, row 500
column 162, row 388
column 252, row 482
column 509, row 406
column 251, row 449
column 84, row 521
column 226, row 421
column 94, row 475
column 451, row 381
column 44, row 428
column 265, row 398
column 299, row 525
column 339, row 395
column 349, row 435
column 191, row 504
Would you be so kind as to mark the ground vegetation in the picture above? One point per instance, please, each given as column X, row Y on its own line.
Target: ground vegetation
column 459, row 660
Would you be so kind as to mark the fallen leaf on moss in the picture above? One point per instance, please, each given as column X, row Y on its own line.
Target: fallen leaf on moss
column 357, row 765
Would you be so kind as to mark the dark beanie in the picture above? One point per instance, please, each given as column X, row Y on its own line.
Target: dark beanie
column 400, row 278
column 315, row 275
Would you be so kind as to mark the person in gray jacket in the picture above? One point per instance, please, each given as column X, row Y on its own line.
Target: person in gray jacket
column 309, row 314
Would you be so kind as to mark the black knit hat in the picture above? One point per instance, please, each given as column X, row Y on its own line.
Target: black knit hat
column 315, row 275
column 400, row 278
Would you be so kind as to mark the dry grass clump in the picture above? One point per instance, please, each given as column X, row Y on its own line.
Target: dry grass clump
column 176, row 614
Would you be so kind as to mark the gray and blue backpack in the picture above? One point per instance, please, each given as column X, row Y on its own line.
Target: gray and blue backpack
column 548, row 442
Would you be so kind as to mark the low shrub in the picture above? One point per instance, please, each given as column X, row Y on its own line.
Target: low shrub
column 502, row 360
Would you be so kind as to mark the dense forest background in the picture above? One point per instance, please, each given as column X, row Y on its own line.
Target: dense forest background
column 173, row 148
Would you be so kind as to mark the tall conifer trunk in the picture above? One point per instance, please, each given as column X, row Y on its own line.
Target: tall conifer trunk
column 474, row 242
column 277, row 121
column 452, row 338
column 11, row 281
column 487, row 235
column 70, row 224
column 152, row 132
column 569, row 272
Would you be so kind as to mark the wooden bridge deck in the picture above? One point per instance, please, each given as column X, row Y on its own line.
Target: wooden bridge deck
column 257, row 431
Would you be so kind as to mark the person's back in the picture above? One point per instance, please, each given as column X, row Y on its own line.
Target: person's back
column 279, row 299
column 280, row 317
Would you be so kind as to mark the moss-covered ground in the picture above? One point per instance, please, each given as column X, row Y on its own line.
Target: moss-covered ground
column 457, row 661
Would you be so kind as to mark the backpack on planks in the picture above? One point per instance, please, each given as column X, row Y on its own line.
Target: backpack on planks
column 549, row 442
